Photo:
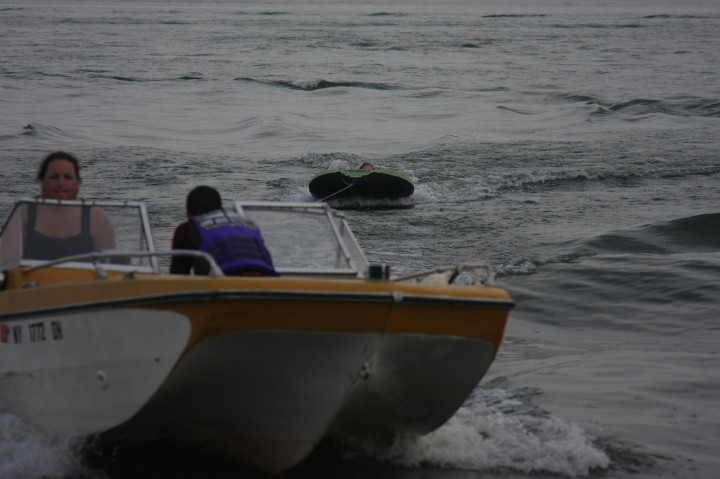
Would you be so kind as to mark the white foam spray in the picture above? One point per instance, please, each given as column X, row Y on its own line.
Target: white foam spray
column 496, row 432
column 26, row 453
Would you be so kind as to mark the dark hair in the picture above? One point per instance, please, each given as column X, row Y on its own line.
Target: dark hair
column 203, row 199
column 58, row 155
column 369, row 164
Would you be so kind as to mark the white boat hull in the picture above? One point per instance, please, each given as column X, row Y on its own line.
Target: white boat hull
column 267, row 397
column 78, row 373
column 396, row 397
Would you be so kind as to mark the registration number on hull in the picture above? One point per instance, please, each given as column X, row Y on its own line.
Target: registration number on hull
column 31, row 332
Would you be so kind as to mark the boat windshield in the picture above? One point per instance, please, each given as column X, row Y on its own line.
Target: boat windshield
column 306, row 238
column 40, row 230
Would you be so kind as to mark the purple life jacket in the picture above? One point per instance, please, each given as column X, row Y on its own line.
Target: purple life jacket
column 235, row 243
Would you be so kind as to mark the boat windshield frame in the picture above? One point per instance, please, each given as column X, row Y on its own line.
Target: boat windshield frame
column 304, row 239
column 119, row 259
column 328, row 239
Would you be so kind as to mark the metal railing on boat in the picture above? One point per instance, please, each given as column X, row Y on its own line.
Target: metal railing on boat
column 96, row 257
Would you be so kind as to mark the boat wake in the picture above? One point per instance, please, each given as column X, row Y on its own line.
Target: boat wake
column 500, row 432
column 362, row 203
column 21, row 446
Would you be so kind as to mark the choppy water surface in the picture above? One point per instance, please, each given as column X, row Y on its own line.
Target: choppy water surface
column 572, row 145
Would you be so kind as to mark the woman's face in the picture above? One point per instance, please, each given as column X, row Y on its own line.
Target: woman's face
column 60, row 181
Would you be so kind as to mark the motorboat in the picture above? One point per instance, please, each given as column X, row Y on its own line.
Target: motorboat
column 104, row 344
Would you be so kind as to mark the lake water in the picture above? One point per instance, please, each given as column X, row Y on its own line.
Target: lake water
column 574, row 144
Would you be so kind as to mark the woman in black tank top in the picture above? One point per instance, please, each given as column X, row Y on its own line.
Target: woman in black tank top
column 59, row 177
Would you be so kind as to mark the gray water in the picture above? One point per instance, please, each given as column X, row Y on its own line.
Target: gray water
column 571, row 144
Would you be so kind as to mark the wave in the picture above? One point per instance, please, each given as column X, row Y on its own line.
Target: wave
column 387, row 14
column 691, row 235
column 318, row 84
column 681, row 235
column 491, row 184
column 124, row 21
column 189, row 76
column 668, row 16
column 697, row 107
column 694, row 234
column 54, row 133
column 633, row 292
column 512, row 110
column 102, row 75
column 598, row 25
column 514, row 15
column 688, row 107
column 626, row 176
